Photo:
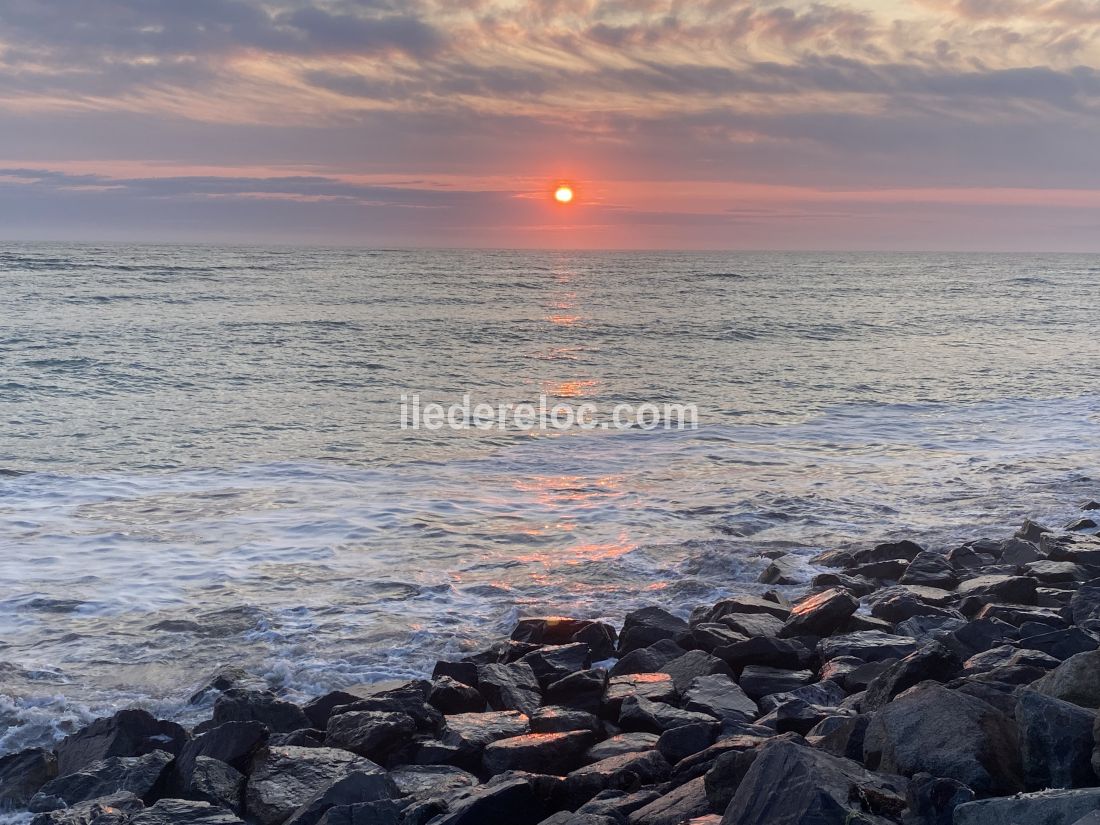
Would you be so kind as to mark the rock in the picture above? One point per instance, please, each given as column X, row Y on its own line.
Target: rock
column 1056, row 742
column 320, row 710
column 1075, row 680
column 1017, row 616
column 23, row 774
column 934, row 730
column 143, row 776
column 554, row 662
column 471, row 733
column 676, row 807
column 753, row 624
column 563, row 720
column 544, row 753
column 283, row 779
column 931, row 662
column 683, row 741
column 510, row 687
column 1046, row 808
column 757, row 681
column 128, row 733
column 784, row 570
column 820, row 614
column 217, row 783
column 355, row 788
column 857, row 586
column 236, row 705
column 409, row 698
column 512, row 799
column 933, row 800
column 869, row 646
column 744, row 604
column 791, row 784
column 226, row 678
column 657, row 687
column 181, row 812
column 555, row 630
column 719, row 696
column 967, row 558
column 693, row 664
column 234, row 743
column 930, row 570
column 819, row 693
column 1032, row 531
column 1061, row 644
column 886, row 570
column 570, row 818
column 896, row 604
column 1055, row 572
column 1085, row 603
column 620, row 745
column 451, row 696
column 840, row 735
column 1006, row 656
column 1012, row 589
column 464, row 672
column 426, row 781
column 647, row 659
column 978, row 636
column 788, row 654
column 640, row 714
column 709, row 636
column 1074, row 547
column 644, row 627
column 626, row 772
column 111, row 810
column 583, row 690
column 502, row 653
column 372, row 734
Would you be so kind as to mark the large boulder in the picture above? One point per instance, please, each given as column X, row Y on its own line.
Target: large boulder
column 510, row 687
column 556, row 630
column 693, row 664
column 372, row 734
column 867, row 646
column 554, row 662
column 285, row 778
column 946, row 733
column 143, row 776
column 470, row 733
column 543, row 753
column 678, row 806
column 234, row 743
column 237, row 705
column 1056, row 742
column 644, row 627
column 791, row 784
column 23, row 774
column 1076, row 680
column 719, row 696
column 131, row 732
column 820, row 614
column 1045, row 808
column 933, row 662
column 109, row 810
column 507, row 798
column 356, row 788
column 627, row 771
column 180, row 812
column 217, row 783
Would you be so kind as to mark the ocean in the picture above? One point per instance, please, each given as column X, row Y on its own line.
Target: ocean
column 201, row 457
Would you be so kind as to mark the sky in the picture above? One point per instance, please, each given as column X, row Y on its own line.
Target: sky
column 869, row 124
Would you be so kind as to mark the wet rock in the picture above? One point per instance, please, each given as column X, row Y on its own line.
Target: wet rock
column 933, row 800
column 743, row 604
column 570, row 818
column 966, row 558
column 934, row 730
column 1075, row 680
column 870, row 646
column 1054, row 572
column 502, row 653
column 1074, row 547
column 237, row 705
column 283, row 779
column 640, row 714
column 583, row 690
column 563, row 720
column 555, row 630
column 1046, row 808
column 757, row 681
column 693, row 664
column 896, row 604
column 464, row 672
column 451, row 696
column 23, row 774
column 644, row 627
column 1017, row 616
column 1032, row 531
column 707, row 637
column 788, row 654
column 857, row 585
column 932, row 662
column 791, row 783
column 373, row 734
column 620, row 745
column 841, row 735
column 657, row 687
column 626, row 772
column 354, row 789
column 510, row 687
column 383, row 812
column 978, row 636
column 511, row 799
column 719, row 696
column 542, row 753
column 1056, row 742
column 1061, row 644
column 426, row 781
column 647, row 659
column 320, row 710
column 799, row 716
column 818, row 693
column 681, row 742
column 676, row 807
column 820, row 614
column 617, row 805
column 234, row 743
column 111, row 810
column 304, row 738
column 886, row 570
column 930, row 570
column 128, row 733
column 409, row 698
column 143, row 776
column 1012, row 589
column 784, row 570
column 471, row 733
column 1085, row 604
column 554, row 662
column 1006, row 655
column 752, row 624
column 180, row 812
column 217, row 783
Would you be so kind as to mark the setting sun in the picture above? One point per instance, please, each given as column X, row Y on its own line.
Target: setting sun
column 563, row 194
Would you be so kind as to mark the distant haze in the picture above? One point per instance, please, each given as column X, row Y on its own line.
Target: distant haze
column 905, row 124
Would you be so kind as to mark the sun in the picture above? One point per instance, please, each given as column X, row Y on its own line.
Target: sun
column 564, row 193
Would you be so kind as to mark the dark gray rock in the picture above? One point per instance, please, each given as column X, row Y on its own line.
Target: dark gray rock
column 217, row 783
column 683, row 741
column 896, row 604
column 620, row 745
column 678, row 806
column 562, row 720
column 1056, row 742
column 930, row 570
column 143, row 776
column 784, row 570
column 1061, row 644
column 640, row 714
column 571, row 818
column 582, row 690
column 789, row 784
column 708, row 636
column 657, row 687
column 181, row 812
column 647, row 659
column 626, row 772
column 757, row 681
column 1012, row 589
column 555, row 630
column 817, row 693
column 1085, row 604
column 471, row 733
column 1046, row 808
column 617, row 805
column 841, row 735
column 743, row 604
column 820, row 614
column 372, row 734
column 869, row 646
column 856, row 585
column 465, row 672
column 543, row 753
column 693, row 664
column 932, row 662
column 128, row 733
column 510, row 799
column 1075, row 680
column 426, row 781
column 554, row 662
column 644, row 627
column 1018, row 552
column 978, row 636
column 236, row 705
column 355, row 788
column 1007, row 656
column 789, row 654
column 753, row 624
column 283, row 779
column 719, row 696
column 1032, row 531
column 23, row 774
column 931, row 729
column 1074, row 547
column 933, row 800
column 304, row 738
column 510, row 687
column 1055, row 572
column 234, row 743
column 111, row 810
column 451, row 696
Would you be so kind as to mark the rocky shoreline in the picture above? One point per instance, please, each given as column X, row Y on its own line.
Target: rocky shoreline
column 907, row 686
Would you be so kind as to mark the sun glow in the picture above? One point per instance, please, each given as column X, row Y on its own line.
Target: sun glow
column 563, row 194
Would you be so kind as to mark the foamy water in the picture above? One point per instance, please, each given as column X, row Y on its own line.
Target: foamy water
column 202, row 463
